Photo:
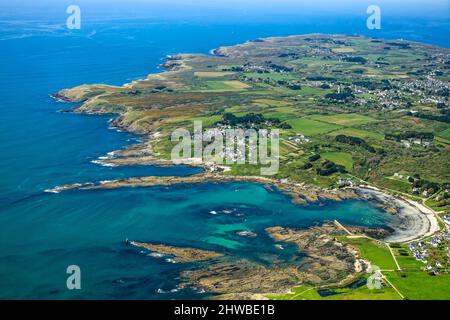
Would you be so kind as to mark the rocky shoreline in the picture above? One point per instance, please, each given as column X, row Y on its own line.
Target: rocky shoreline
column 410, row 221
column 301, row 193
column 320, row 260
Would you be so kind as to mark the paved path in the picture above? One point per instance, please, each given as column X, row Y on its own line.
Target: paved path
column 393, row 287
column 299, row 294
column 393, row 256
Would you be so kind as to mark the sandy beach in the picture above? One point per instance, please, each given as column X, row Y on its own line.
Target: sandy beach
column 414, row 221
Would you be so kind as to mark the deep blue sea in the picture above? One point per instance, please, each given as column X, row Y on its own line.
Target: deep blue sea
column 41, row 234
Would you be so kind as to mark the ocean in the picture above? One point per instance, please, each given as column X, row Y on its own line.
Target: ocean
column 41, row 233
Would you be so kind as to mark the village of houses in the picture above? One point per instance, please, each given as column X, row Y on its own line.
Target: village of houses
column 434, row 252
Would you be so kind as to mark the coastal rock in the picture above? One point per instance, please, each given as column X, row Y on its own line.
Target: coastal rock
column 242, row 279
column 84, row 92
column 246, row 233
column 327, row 259
column 376, row 233
column 181, row 254
column 327, row 262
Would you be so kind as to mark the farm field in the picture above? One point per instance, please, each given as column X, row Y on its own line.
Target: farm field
column 227, row 85
column 351, row 119
column 204, row 74
column 311, row 127
column 273, row 76
column 412, row 282
column 376, row 253
column 445, row 134
column 341, row 158
column 345, row 293
column 419, row 285
column 354, row 132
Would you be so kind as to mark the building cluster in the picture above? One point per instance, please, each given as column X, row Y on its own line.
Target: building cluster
column 236, row 151
column 389, row 99
column 345, row 182
column 447, row 219
column 418, row 142
column 299, row 139
column 434, row 253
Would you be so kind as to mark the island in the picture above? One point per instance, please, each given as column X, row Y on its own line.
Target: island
column 358, row 118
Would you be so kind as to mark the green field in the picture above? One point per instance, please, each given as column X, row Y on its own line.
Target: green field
column 341, row 158
column 345, row 293
column 412, row 283
column 311, row 127
column 278, row 115
column 271, row 103
column 226, row 85
column 376, row 253
column 442, row 141
column 208, row 74
column 358, row 133
column 345, row 119
column 419, row 285
column 312, row 91
column 437, row 205
column 445, row 134
column 396, row 184
column 406, row 260
column 311, row 62
column 273, row 76
column 208, row 121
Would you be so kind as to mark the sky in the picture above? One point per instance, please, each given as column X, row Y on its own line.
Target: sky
column 397, row 6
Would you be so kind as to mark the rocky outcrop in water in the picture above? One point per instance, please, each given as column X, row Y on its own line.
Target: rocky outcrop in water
column 180, row 254
column 327, row 261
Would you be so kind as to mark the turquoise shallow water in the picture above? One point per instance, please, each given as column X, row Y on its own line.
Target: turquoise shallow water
column 88, row 228
column 41, row 234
